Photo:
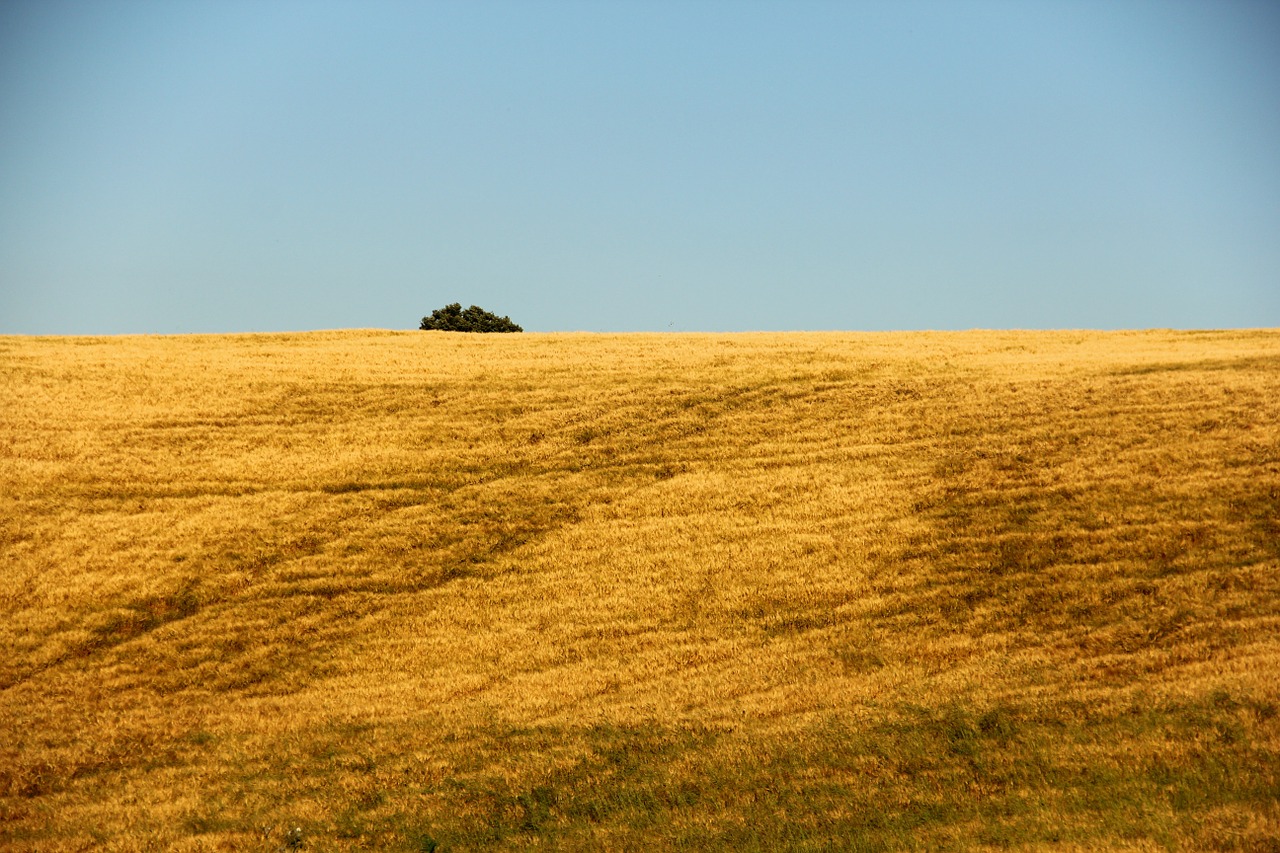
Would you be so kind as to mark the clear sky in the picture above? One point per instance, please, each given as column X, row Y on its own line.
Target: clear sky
column 627, row 165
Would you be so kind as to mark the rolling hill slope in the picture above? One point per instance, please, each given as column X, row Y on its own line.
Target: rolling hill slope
column 349, row 590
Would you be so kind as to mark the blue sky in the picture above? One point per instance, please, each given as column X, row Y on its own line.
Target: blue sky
column 255, row 165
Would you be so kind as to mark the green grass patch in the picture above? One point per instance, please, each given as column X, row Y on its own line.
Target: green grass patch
column 891, row 778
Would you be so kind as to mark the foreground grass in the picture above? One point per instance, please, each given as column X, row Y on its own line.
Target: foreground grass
column 426, row 591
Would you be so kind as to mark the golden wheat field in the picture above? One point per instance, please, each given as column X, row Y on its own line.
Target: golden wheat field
column 430, row 591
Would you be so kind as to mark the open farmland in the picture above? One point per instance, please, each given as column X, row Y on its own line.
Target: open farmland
column 426, row 591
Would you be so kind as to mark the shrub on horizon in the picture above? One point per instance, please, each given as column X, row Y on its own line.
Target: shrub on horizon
column 451, row 318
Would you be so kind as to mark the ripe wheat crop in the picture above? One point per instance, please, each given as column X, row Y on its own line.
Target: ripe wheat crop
column 428, row 591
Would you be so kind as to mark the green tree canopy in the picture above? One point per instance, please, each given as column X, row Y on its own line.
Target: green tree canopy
column 451, row 318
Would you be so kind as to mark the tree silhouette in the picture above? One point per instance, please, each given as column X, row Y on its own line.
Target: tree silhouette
column 451, row 318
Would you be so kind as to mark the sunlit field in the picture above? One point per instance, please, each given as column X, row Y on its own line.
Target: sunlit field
column 429, row 591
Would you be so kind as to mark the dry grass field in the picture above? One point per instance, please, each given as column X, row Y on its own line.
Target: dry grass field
column 428, row 591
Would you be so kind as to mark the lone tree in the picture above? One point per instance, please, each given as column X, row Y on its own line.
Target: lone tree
column 451, row 318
